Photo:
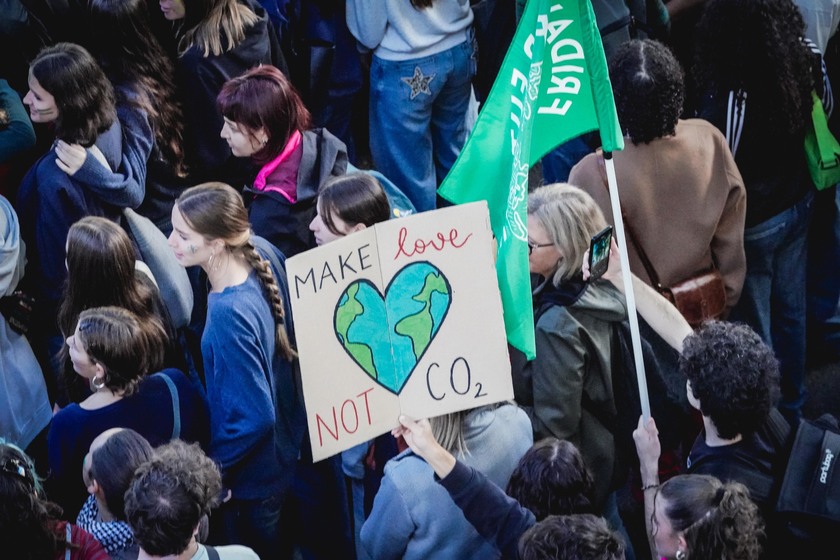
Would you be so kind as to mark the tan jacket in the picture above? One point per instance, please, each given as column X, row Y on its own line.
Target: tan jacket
column 685, row 200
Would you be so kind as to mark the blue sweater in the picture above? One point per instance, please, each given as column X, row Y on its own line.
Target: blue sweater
column 148, row 411
column 495, row 515
column 50, row 201
column 238, row 347
column 414, row 518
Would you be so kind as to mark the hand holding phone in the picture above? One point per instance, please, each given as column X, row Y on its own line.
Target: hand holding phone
column 599, row 253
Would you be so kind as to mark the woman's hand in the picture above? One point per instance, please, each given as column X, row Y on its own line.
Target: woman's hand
column 420, row 439
column 71, row 157
column 613, row 273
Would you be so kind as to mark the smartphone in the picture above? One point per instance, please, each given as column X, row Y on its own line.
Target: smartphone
column 599, row 253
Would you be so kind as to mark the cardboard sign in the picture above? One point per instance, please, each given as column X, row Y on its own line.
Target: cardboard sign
column 404, row 317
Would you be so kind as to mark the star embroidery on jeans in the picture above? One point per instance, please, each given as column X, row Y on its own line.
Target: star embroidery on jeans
column 419, row 83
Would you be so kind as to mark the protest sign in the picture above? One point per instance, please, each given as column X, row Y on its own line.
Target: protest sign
column 404, row 317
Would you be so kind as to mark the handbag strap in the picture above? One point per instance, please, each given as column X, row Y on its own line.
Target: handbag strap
column 176, row 404
column 651, row 272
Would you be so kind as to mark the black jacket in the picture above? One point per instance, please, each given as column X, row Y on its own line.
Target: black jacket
column 284, row 224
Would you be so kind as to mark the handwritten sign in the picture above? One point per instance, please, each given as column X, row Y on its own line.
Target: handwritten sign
column 404, row 317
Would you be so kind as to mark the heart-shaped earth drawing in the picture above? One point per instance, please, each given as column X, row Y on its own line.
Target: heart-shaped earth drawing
column 387, row 336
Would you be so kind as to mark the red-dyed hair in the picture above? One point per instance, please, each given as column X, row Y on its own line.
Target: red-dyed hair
column 264, row 98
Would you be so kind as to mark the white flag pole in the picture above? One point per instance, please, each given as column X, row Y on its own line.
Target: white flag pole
column 628, row 285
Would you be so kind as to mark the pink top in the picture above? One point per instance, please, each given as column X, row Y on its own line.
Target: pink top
column 260, row 182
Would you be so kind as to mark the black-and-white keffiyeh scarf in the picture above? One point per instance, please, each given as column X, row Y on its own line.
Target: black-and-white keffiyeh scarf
column 114, row 536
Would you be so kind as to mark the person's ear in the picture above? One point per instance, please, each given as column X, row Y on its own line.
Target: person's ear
column 357, row 227
column 262, row 136
column 95, row 489
column 218, row 245
column 681, row 542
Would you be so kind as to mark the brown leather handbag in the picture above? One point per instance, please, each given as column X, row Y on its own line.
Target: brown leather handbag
column 699, row 298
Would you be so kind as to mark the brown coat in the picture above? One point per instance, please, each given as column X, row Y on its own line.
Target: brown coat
column 685, row 200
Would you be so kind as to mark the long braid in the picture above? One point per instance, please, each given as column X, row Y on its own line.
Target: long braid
column 272, row 290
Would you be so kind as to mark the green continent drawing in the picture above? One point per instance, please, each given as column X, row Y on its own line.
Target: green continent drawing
column 387, row 335
column 348, row 310
column 420, row 327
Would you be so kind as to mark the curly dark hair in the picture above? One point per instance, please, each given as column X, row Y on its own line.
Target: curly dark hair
column 27, row 520
column 169, row 496
column 582, row 537
column 756, row 45
column 83, row 95
column 733, row 374
column 131, row 54
column 717, row 519
column 649, row 89
column 552, row 479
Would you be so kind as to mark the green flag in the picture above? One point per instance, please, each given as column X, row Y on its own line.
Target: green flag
column 553, row 86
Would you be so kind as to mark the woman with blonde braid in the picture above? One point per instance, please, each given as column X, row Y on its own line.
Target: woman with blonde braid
column 256, row 419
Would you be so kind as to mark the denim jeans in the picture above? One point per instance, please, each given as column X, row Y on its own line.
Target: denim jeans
column 824, row 278
column 417, row 118
column 773, row 299
column 353, row 466
column 557, row 164
column 613, row 517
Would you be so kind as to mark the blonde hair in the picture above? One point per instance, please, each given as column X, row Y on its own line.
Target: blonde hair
column 570, row 217
column 215, row 26
column 448, row 430
column 216, row 211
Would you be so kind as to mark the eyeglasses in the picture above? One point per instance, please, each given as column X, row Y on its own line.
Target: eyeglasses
column 532, row 246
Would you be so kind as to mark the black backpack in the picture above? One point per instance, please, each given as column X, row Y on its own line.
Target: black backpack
column 808, row 503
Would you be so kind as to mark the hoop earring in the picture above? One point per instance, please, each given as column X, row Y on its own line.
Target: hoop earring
column 680, row 555
column 210, row 261
column 97, row 386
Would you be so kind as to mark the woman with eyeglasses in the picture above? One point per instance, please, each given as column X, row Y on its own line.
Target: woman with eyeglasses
column 568, row 385
column 30, row 525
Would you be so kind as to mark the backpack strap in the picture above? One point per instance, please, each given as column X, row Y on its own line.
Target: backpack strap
column 212, row 553
column 176, row 404
column 778, row 428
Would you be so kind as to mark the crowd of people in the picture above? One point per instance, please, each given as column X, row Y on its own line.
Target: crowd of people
column 197, row 144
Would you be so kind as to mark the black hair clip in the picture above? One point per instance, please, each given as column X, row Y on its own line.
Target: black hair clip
column 16, row 467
